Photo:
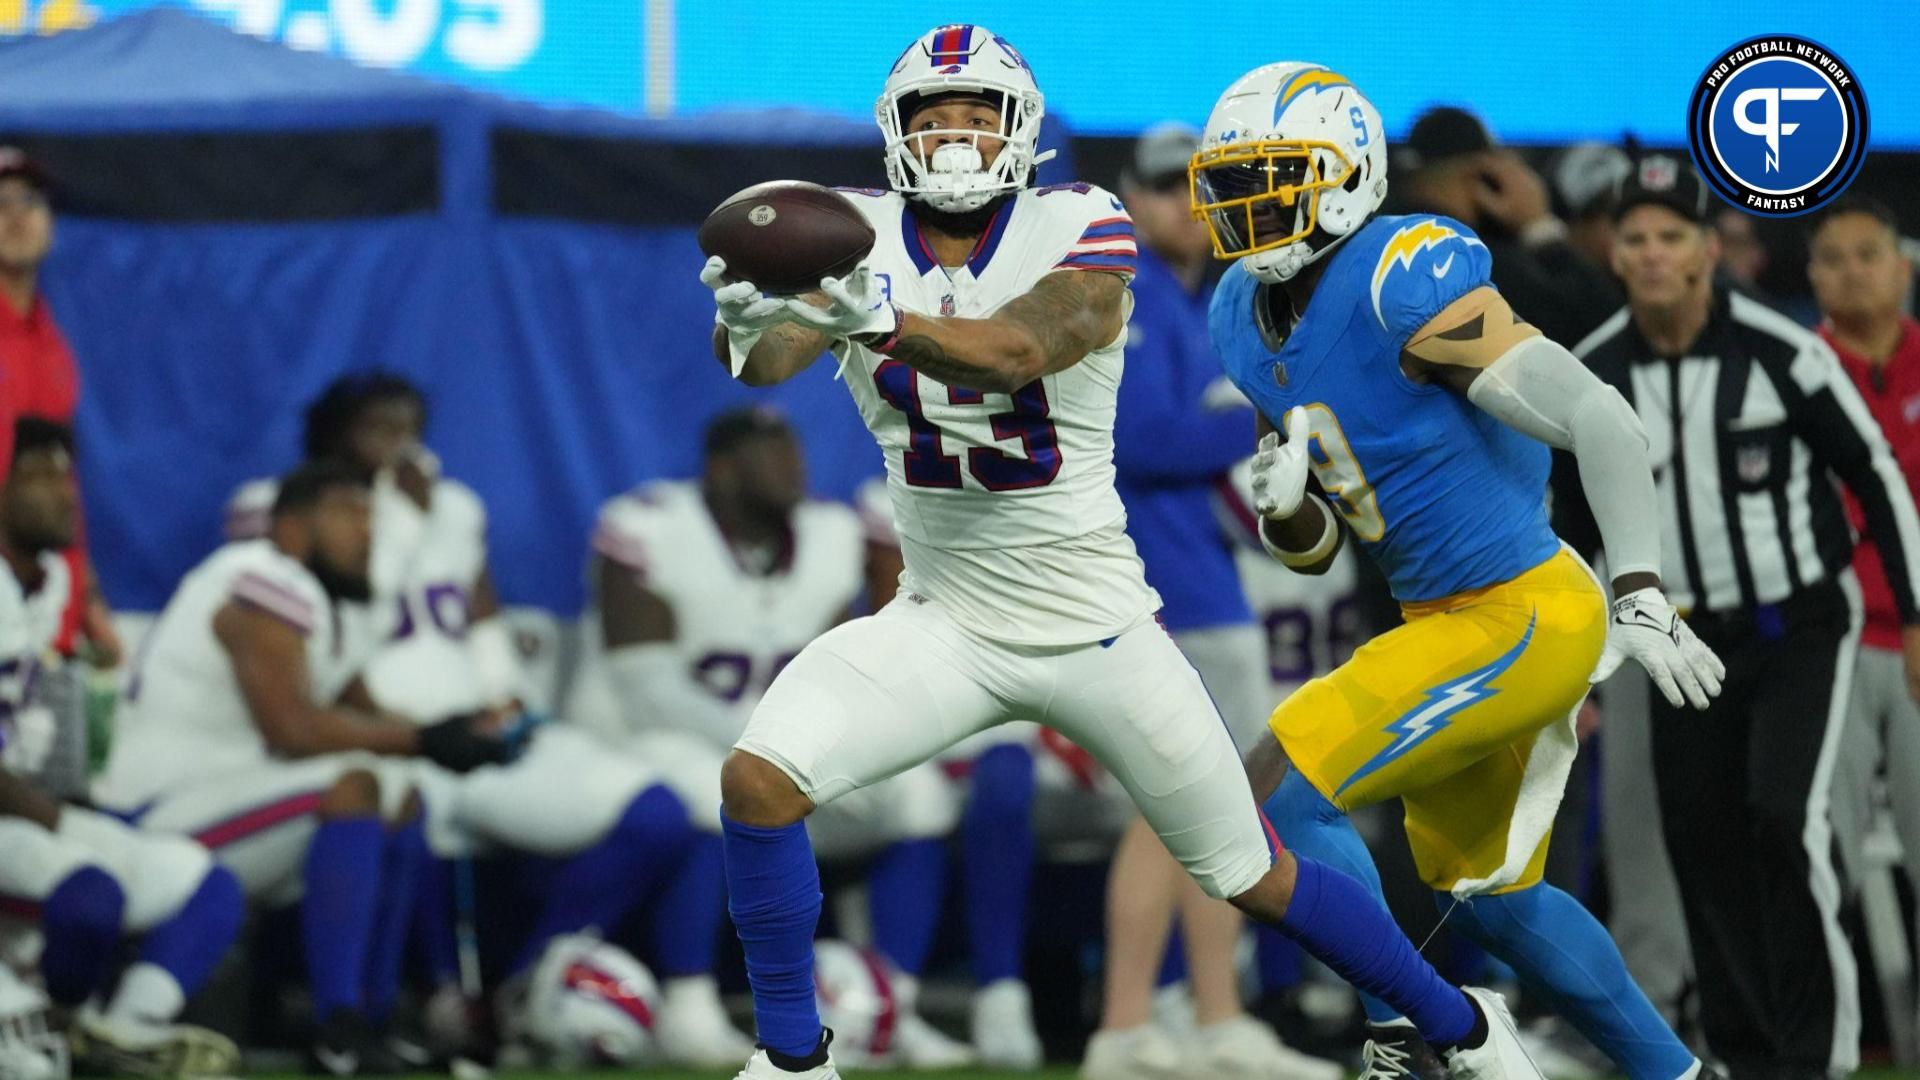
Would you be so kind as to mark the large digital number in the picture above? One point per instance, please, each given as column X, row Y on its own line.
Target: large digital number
column 499, row 40
column 1289, row 644
column 925, row 464
column 385, row 40
column 1341, row 476
column 727, row 675
column 446, row 604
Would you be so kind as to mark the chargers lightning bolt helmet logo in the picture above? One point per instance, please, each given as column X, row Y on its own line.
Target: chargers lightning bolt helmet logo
column 1442, row 703
column 1778, row 125
column 1409, row 242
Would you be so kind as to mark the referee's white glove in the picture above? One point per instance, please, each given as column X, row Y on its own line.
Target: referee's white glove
column 1280, row 472
column 1645, row 626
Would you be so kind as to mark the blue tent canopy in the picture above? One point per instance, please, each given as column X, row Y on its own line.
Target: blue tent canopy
column 242, row 223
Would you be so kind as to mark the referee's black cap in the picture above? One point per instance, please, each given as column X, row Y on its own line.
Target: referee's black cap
column 1666, row 181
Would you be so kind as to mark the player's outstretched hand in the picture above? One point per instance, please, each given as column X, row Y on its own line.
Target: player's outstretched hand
column 1645, row 627
column 854, row 305
column 459, row 744
column 1280, row 471
column 738, row 305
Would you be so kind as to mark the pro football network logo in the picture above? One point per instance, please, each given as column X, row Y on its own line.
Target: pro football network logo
column 1778, row 125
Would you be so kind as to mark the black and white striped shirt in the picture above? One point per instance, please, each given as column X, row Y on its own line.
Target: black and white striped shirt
column 1746, row 433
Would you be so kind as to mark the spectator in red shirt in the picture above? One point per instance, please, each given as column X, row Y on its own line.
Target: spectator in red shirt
column 37, row 368
column 1862, row 282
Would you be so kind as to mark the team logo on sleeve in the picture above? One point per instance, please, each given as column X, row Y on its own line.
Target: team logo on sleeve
column 1778, row 125
column 1405, row 246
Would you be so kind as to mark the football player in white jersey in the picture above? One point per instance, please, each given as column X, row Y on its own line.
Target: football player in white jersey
column 982, row 342
column 440, row 646
column 704, row 592
column 87, row 880
column 230, row 733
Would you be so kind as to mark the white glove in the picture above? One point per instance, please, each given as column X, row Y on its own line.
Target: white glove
column 1280, row 472
column 855, row 306
column 738, row 305
column 1645, row 626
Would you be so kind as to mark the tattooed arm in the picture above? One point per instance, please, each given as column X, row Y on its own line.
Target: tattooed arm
column 1052, row 327
column 781, row 353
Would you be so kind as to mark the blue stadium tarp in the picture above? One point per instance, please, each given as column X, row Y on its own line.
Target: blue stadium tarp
column 241, row 223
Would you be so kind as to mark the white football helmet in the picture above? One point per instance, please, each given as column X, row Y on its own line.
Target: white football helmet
column 954, row 177
column 1290, row 149
column 855, row 993
column 29, row 1048
column 589, row 1002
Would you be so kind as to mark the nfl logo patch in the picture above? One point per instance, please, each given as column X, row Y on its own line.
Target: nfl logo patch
column 946, row 304
column 1753, row 463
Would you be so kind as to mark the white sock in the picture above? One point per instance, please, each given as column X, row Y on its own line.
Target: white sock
column 148, row 994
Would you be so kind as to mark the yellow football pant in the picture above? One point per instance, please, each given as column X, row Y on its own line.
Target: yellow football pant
column 1444, row 712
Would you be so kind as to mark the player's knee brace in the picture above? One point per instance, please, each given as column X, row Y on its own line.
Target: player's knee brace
column 1002, row 786
column 81, row 919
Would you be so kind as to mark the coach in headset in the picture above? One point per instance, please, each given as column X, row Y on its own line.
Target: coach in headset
column 1746, row 414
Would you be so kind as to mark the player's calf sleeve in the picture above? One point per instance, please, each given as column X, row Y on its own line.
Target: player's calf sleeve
column 400, row 872
column 997, row 842
column 596, row 888
column 342, row 876
column 1309, row 825
column 187, row 946
column 773, row 893
column 80, row 920
column 432, row 930
column 1336, row 919
column 1560, row 950
column 1173, row 959
column 1279, row 959
column 904, row 894
column 689, row 909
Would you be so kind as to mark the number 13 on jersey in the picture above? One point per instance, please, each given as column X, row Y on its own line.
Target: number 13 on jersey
column 1340, row 474
column 925, row 463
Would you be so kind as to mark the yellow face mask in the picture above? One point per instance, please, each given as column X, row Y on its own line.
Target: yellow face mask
column 1261, row 194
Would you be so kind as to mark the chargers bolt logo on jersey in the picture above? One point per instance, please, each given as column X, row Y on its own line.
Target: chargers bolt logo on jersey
column 1409, row 242
column 1778, row 125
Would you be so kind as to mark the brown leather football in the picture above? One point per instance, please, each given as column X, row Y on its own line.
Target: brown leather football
column 785, row 235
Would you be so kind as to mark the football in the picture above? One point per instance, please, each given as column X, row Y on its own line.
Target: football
column 785, row 235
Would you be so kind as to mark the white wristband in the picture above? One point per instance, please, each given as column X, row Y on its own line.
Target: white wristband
column 1329, row 539
column 739, row 344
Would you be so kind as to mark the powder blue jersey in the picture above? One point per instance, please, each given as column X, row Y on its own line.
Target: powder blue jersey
column 1445, row 497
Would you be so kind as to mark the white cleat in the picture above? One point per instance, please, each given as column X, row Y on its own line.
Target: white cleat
column 919, row 1045
column 1502, row 1056
column 108, row 1046
column 694, row 1030
column 1142, row 1053
column 760, row 1068
column 1003, row 1027
column 1243, row 1048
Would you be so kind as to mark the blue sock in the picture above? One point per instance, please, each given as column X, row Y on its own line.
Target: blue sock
column 773, row 893
column 433, row 922
column 336, row 916
column 189, row 945
column 1279, row 958
column 80, row 920
column 597, row 887
column 399, row 890
column 1311, row 826
column 1560, row 950
column 1336, row 919
column 997, row 837
column 1173, row 961
column 689, row 909
column 904, row 894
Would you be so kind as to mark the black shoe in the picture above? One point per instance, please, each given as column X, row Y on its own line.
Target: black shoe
column 349, row 1046
column 1397, row 1052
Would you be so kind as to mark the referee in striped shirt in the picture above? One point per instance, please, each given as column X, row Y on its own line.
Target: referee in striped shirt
column 1749, row 420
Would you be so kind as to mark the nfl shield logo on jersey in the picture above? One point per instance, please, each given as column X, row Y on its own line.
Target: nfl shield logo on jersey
column 1754, row 463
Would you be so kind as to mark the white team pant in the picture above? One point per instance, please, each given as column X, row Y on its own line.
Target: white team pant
column 558, row 798
column 875, row 696
column 918, row 804
column 158, row 874
column 1232, row 661
column 258, row 821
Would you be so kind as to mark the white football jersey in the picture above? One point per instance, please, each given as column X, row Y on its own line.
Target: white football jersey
column 183, row 716
column 424, row 566
column 28, row 626
column 735, row 628
column 1004, row 503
